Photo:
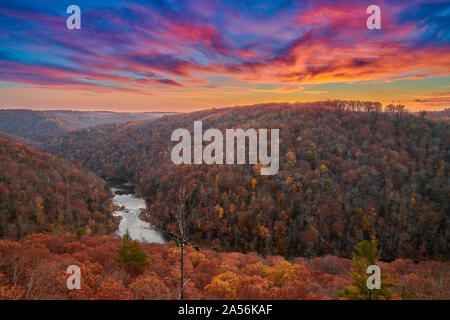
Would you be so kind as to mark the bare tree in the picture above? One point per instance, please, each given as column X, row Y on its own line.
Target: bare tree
column 183, row 218
column 183, row 215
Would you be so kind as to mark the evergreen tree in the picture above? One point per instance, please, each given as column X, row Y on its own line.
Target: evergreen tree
column 367, row 253
column 131, row 255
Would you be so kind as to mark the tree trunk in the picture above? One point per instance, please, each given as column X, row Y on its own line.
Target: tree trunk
column 181, row 270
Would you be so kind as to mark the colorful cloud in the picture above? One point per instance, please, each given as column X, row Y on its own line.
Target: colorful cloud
column 147, row 55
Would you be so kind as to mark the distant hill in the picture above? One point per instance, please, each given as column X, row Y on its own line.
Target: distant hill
column 439, row 115
column 20, row 140
column 40, row 193
column 345, row 175
column 39, row 126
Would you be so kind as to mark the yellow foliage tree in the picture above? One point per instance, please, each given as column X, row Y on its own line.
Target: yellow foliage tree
column 280, row 273
column 223, row 286
column 220, row 213
column 254, row 183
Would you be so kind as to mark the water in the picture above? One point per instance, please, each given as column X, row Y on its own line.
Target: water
column 139, row 230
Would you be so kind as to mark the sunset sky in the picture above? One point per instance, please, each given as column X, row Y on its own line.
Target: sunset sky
column 190, row 55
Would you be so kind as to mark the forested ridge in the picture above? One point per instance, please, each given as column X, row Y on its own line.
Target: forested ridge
column 39, row 126
column 40, row 193
column 347, row 172
column 19, row 139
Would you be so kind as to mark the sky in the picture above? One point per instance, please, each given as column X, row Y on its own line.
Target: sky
column 191, row 55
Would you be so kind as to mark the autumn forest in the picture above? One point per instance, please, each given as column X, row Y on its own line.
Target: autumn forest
column 359, row 183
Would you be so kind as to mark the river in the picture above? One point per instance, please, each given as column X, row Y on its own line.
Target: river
column 130, row 207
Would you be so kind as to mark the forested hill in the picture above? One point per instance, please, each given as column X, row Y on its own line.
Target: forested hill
column 39, row 126
column 347, row 172
column 40, row 193
column 20, row 140
column 438, row 115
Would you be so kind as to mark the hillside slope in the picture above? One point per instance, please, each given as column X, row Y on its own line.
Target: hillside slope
column 39, row 126
column 40, row 193
column 345, row 175
column 19, row 140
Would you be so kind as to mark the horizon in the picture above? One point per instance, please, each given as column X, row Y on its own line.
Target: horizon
column 211, row 108
column 82, row 110
column 153, row 56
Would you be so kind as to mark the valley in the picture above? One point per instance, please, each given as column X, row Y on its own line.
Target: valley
column 344, row 177
column 224, row 151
